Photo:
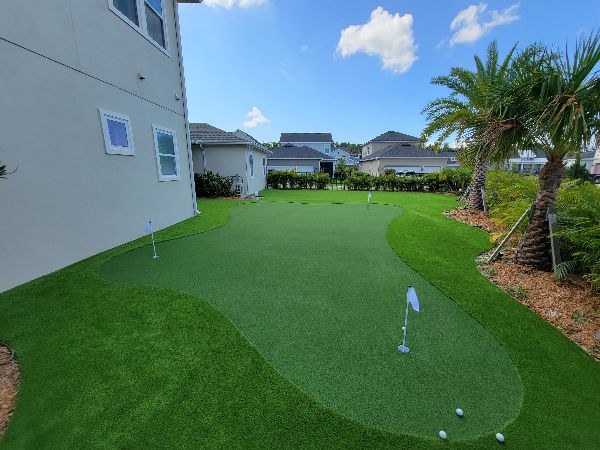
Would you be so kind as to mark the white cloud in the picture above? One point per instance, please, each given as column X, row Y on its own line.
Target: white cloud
column 304, row 47
column 255, row 117
column 228, row 4
column 468, row 25
column 286, row 74
column 385, row 35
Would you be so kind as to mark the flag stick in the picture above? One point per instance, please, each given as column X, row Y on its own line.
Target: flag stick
column 154, row 246
column 403, row 348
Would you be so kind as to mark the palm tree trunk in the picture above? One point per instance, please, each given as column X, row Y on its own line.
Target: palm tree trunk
column 478, row 183
column 534, row 249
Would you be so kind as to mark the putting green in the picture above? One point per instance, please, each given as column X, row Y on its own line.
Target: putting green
column 320, row 293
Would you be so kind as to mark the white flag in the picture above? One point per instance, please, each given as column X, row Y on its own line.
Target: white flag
column 369, row 197
column 411, row 297
column 149, row 227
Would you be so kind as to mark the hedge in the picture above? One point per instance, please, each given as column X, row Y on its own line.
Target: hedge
column 289, row 179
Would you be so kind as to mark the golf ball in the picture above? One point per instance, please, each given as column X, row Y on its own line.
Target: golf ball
column 442, row 434
column 459, row 412
column 500, row 437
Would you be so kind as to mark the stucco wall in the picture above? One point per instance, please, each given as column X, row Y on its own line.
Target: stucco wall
column 229, row 160
column 378, row 167
column 288, row 164
column 370, row 167
column 69, row 199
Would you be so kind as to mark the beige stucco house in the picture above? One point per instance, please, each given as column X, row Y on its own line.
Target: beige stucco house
column 94, row 117
column 234, row 154
column 400, row 152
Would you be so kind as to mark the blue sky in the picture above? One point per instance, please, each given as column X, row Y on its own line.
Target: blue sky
column 354, row 68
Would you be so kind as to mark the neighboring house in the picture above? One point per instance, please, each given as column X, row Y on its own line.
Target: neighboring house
column 95, row 119
column 527, row 161
column 404, row 158
column 349, row 158
column 385, row 140
column 532, row 161
column 301, row 159
column 230, row 154
column 596, row 162
column 587, row 160
column 322, row 142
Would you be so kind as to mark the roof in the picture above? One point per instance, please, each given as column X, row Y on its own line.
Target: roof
column 305, row 137
column 204, row 134
column 189, row 1
column 289, row 151
column 406, row 151
column 393, row 136
column 588, row 155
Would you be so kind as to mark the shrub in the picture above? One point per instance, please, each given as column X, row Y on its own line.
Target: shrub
column 509, row 195
column 578, row 212
column 213, row 185
column 577, row 171
column 321, row 180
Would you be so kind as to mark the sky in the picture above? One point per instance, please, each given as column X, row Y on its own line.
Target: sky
column 354, row 68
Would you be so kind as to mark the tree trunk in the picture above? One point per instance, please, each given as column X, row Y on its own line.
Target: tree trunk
column 534, row 249
column 478, row 183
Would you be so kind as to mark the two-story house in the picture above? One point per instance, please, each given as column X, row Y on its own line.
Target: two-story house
column 400, row 152
column 94, row 118
column 322, row 142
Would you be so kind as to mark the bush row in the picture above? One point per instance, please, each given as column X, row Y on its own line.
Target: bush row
column 289, row 179
column 448, row 180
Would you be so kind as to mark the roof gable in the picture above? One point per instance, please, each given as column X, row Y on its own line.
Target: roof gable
column 394, row 136
column 289, row 151
column 406, row 151
column 306, row 137
column 203, row 133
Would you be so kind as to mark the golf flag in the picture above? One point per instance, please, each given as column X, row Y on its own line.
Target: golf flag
column 149, row 227
column 411, row 297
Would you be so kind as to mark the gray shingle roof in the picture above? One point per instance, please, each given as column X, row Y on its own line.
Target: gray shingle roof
column 289, row 151
column 203, row 133
column 406, row 151
column 393, row 136
column 305, row 137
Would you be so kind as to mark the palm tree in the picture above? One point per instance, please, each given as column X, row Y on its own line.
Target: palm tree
column 553, row 100
column 468, row 112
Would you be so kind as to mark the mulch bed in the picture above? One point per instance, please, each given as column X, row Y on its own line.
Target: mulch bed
column 9, row 386
column 570, row 305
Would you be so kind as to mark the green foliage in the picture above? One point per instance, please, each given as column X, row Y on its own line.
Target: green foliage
column 289, row 179
column 509, row 195
column 448, row 180
column 517, row 292
column 341, row 169
column 577, row 171
column 578, row 210
column 389, row 172
column 578, row 316
column 213, row 185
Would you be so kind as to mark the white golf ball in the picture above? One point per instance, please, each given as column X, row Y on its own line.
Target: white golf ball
column 442, row 434
column 500, row 437
column 459, row 412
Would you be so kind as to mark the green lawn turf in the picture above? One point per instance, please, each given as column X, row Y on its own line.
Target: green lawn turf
column 108, row 364
column 333, row 328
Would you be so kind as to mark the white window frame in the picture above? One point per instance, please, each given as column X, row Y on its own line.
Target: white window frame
column 161, row 177
column 142, row 28
column 264, row 161
column 111, row 149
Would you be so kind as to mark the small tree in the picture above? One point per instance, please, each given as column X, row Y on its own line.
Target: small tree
column 341, row 170
column 577, row 171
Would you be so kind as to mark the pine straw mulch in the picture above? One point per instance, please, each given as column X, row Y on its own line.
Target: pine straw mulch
column 570, row 305
column 9, row 386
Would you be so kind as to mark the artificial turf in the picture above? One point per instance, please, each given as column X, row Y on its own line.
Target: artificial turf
column 107, row 364
column 332, row 328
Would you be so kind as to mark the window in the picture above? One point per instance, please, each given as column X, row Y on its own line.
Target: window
column 128, row 8
column 167, row 159
column 147, row 17
column 251, row 162
column 118, row 139
column 264, row 166
column 155, row 22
